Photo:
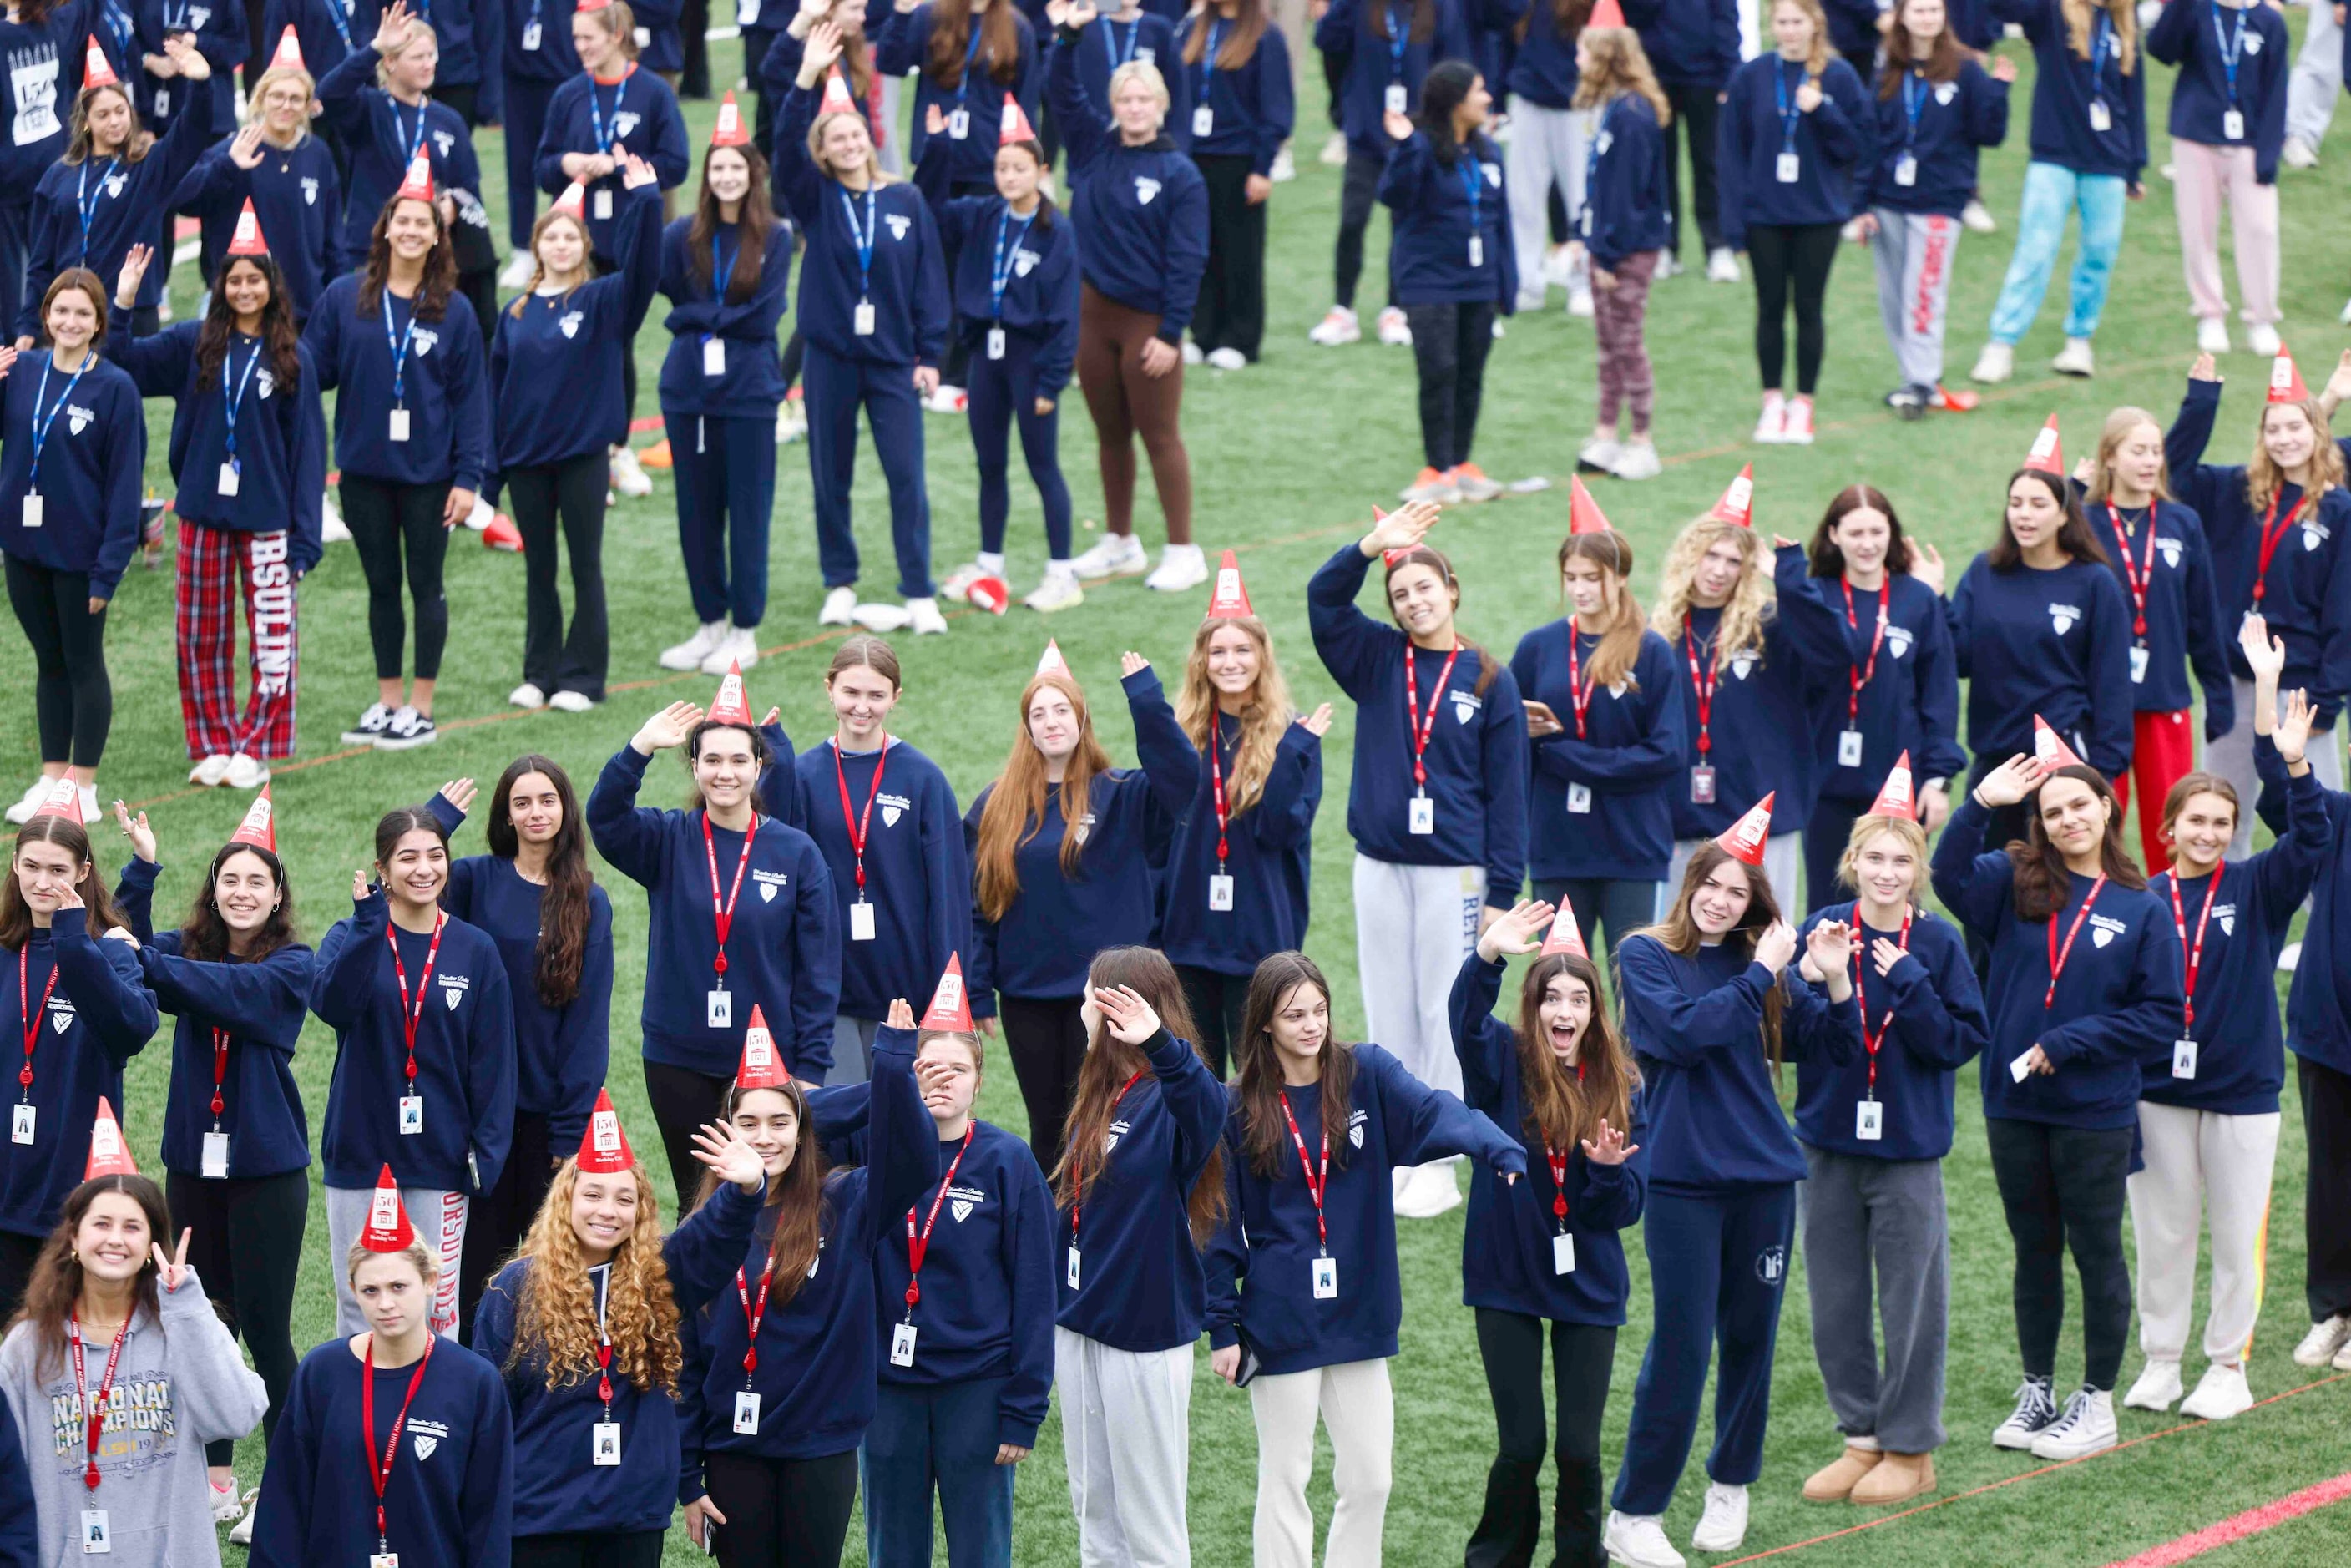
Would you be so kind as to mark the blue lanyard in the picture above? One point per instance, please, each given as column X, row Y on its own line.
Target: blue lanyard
column 41, row 426
column 1399, row 34
column 118, row 23
column 1914, row 103
column 1002, row 272
column 398, row 344
column 864, row 237
column 2232, row 45
column 970, row 57
column 1790, row 115
column 234, row 397
column 722, row 273
column 86, row 202
column 342, row 23
column 1472, row 177
column 175, row 21
column 2099, row 41
column 1208, row 58
column 411, row 144
column 596, row 115
column 1119, row 54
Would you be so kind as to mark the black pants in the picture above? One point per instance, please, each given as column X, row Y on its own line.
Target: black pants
column 1449, row 345
column 795, row 356
column 1790, row 259
column 1621, row 904
column 956, row 369
column 571, row 492
column 1335, row 76
column 782, row 1513
column 590, row 1548
column 757, row 42
column 1046, row 1043
column 459, row 96
column 73, row 700
column 496, row 1223
column 2063, row 1188
column 1216, row 1001
column 1358, row 193
column 693, row 81
column 1231, row 313
column 246, row 1242
column 1581, row 1356
column 387, row 521
column 2326, row 1127
column 683, row 1100
column 1826, row 833
column 1695, row 109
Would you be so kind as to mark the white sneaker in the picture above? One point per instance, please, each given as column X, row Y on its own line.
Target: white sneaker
column 947, row 400
column 517, row 271
column 571, row 702
column 2035, row 1410
column 243, row 1534
column 2086, row 1426
column 90, row 804
column 2158, row 1387
column 2074, row 359
column 2211, row 335
column 1796, row 429
column 1228, row 359
column 1978, row 217
column 1060, row 591
column 2316, row 1349
column 246, row 772
column 2298, row 154
column 922, row 615
column 1180, row 567
column 1338, row 327
column 839, row 604
column 205, row 775
column 791, row 421
column 228, row 1508
column 957, row 587
column 332, row 530
column 30, row 801
column 1556, row 268
column 1638, row 459
column 1434, row 486
column 740, row 646
column 1579, row 302
column 629, row 475
column 2345, row 316
column 1600, row 453
column 1191, row 352
column 526, row 695
column 375, row 724
column 2289, row 956
column 1285, row 168
column 1334, row 151
column 1996, row 363
column 1429, row 1191
column 1723, row 1525
column 2262, row 339
column 1395, row 331
column 1722, row 265
column 1773, row 422
column 2219, row 1394
column 1113, row 555
column 1638, row 1541
column 1668, row 266
column 689, row 654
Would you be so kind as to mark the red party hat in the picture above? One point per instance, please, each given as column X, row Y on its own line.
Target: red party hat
column 1606, row 14
column 2048, row 454
column 1016, row 126
column 1564, row 936
column 950, row 1008
column 95, row 72
column 2285, row 379
column 604, row 1148
column 1737, row 505
column 416, row 185
column 1230, row 600
column 836, row 100
column 730, row 131
column 63, row 799
column 1746, row 837
column 388, row 1229
column 1897, row 796
column 992, row 594
column 1584, row 513
column 1051, row 663
column 731, row 706
column 289, row 57
column 108, row 1155
column 761, row 1067
column 2049, row 747
column 259, row 827
column 247, row 240
column 573, row 203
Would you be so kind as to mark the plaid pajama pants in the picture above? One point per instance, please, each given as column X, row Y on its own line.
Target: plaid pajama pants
column 213, row 562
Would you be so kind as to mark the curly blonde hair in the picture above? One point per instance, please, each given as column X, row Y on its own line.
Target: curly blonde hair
column 555, row 1314
column 1753, row 602
column 1265, row 718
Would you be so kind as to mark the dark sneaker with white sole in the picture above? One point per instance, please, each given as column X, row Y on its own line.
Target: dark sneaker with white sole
column 409, row 729
column 2035, row 1413
column 372, row 726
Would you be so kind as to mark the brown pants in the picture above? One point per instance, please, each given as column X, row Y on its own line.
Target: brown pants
column 1123, row 402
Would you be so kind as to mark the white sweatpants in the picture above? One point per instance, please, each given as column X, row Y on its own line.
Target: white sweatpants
column 2196, row 1160
column 2317, row 77
column 2232, row 757
column 1414, row 924
column 1126, row 1441
column 1783, row 868
column 1547, row 146
column 440, row 1221
column 1359, row 1413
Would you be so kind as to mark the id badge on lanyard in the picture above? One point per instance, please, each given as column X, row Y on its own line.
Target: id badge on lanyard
column 1397, row 96
column 1579, row 799
column 1220, row 892
column 604, row 1445
column 216, row 1157
column 604, row 205
column 530, row 37
column 996, row 342
column 747, row 1412
column 861, row 920
column 902, row 1344
column 399, row 424
column 1702, row 784
column 1869, row 1120
column 1326, row 1278
column 20, row 1124
column 1563, row 1253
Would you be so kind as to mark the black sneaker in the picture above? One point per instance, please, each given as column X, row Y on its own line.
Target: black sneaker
column 1910, row 402
column 408, row 729
column 2035, row 1412
column 372, row 726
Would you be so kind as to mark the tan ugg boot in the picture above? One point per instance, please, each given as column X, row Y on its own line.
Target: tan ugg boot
column 1895, row 1478
column 1836, row 1483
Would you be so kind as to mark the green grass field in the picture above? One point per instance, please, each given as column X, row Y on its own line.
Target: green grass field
column 1288, row 458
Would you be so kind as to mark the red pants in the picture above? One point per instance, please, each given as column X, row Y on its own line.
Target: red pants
column 2163, row 748
column 213, row 562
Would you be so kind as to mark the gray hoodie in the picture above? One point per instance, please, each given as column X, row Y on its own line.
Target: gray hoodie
column 181, row 1385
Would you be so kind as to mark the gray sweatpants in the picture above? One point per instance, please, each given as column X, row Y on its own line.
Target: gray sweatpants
column 1126, row 1441
column 1885, row 1217
column 440, row 1221
column 2232, row 757
column 1914, row 284
column 2317, row 77
column 1547, row 146
column 853, row 1050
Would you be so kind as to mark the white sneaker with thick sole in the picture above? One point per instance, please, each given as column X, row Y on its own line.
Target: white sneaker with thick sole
column 2298, row 154
column 1723, row 1525
column 1429, row 1191
column 1996, row 363
column 1579, row 302
column 1338, row 327
column 205, row 775
column 1285, row 168
column 1600, row 453
column 2211, row 335
column 1796, row 429
column 246, row 772
column 922, row 615
column 2220, row 1393
column 791, row 421
column 1334, row 151
column 947, row 400
column 2036, row 1408
column 1191, row 352
column 1638, row 1541
column 571, row 702
column 2075, row 359
column 1668, row 266
column 526, row 695
column 1060, row 591
column 30, row 801
column 689, row 654
column 2316, row 1349
column 629, row 475
column 2086, row 1426
column 333, row 529
column 517, row 271
column 243, row 1534
column 2158, row 1387
column 228, row 1507
column 1978, row 217
column 1770, row 426
column 1180, row 567
column 1395, row 331
column 408, row 731
column 1722, row 265
column 740, row 647
column 2262, row 339
column 1638, row 459
column 375, row 724
column 1228, row 359
column 1113, row 555
column 840, row 605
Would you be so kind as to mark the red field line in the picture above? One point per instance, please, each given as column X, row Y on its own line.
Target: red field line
column 2252, row 1521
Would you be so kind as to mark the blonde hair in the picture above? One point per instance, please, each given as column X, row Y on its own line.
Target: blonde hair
column 418, row 30
column 1913, row 836
column 1619, row 65
column 419, row 1256
column 1265, row 718
column 538, row 268
column 270, row 79
column 2262, row 475
column 2118, row 426
column 619, row 23
column 1819, row 53
column 555, row 1310
column 1753, row 602
column 2080, row 15
column 1145, row 72
column 873, row 170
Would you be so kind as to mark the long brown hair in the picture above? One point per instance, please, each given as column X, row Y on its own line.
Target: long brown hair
column 1942, row 63
column 1620, row 644
column 440, row 265
column 1265, row 1132
column 205, row 935
column 1825, row 557
column 2043, row 886
column 864, row 651
column 279, row 340
column 1264, row 718
column 1619, row 65
column 2262, row 475
column 2074, row 535
column 135, row 146
column 399, row 823
column 555, row 1309
column 1678, row 934
column 1566, row 1107
column 1000, row 45
column 57, row 1279
column 540, row 225
column 1240, row 44
column 17, row 917
column 1109, row 1062
column 1015, row 811
column 756, row 219
column 566, row 908
column 2187, row 786
column 1432, row 557
column 797, row 1196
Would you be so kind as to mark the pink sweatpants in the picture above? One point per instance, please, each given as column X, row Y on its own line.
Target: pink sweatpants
column 2203, row 176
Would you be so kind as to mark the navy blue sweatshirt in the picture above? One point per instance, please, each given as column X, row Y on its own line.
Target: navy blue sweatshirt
column 1624, row 208
column 382, row 134
column 91, row 461
column 2117, row 1001
column 1262, row 1260
column 902, row 48
column 1040, row 269
column 297, row 197
column 2065, row 84
column 1476, row 763
column 125, row 202
column 558, row 1488
column 555, row 362
column 1268, row 847
column 1381, row 49
column 20, row 1525
column 2200, row 37
column 1694, row 1024
column 99, row 1015
column 441, row 382
column 1251, row 110
column 472, row 36
column 218, row 31
column 262, row 1005
column 325, row 29
column 2182, row 612
column 907, row 280
column 1111, row 42
column 1047, row 937
column 1452, row 242
column 1506, row 1248
column 1542, row 67
column 2054, row 642
column 44, row 62
column 2318, row 1003
column 1941, row 128
column 1690, row 43
column 550, row 58
column 783, row 951
column 1938, row 1026
column 1835, row 147
column 637, row 113
column 562, row 1055
column 752, row 383
column 1142, row 212
column 1909, row 703
column 1142, row 1285
column 1625, row 771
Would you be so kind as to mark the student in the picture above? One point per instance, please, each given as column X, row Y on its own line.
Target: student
column 1621, row 225
column 1383, row 55
column 1797, row 131
column 968, row 1315
column 885, row 817
column 780, row 67
column 2071, row 1023
column 237, row 1141
column 53, row 917
column 1452, row 267
column 412, row 438
column 1711, row 1013
column 1551, row 139
column 1140, row 1189
column 288, row 176
column 2228, row 130
column 1234, row 70
column 323, row 33
column 1607, row 732
column 704, row 982
column 534, row 58
column 249, row 451
column 1240, row 771
column 1875, row 1130
column 1900, row 696
column 560, row 408
column 2089, row 147
column 1046, row 897
column 341, row 1485
column 1303, row 1293
column 1141, row 209
column 69, row 518
column 1435, row 867
column 2168, row 575
column 1695, row 45
column 583, row 1325
column 45, row 45
column 874, row 305
column 168, row 1383
column 1937, row 108
column 1015, row 292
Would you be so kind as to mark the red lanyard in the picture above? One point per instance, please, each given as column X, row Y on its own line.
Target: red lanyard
column 1317, row 1182
column 2141, row 577
column 220, row 1065
column 31, row 1017
column 604, row 1344
column 2058, row 956
column 1703, row 685
column 1078, row 1197
column 1579, row 693
column 753, row 1314
column 1870, row 1043
column 1420, row 729
column 1862, row 677
column 95, row 1416
column 919, row 1246
column 1557, row 1159
column 411, row 1016
column 2269, row 538
column 380, row 1471
column 725, row 912
column 1216, row 777
column 2196, row 950
column 857, row 825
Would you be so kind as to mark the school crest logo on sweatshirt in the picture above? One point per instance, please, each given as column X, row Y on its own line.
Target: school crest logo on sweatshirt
column 2315, row 533
column 61, row 1015
column 1024, row 262
column 78, row 418
column 197, row 16
column 1355, row 1124
column 453, row 990
column 310, row 192
column 893, row 808
column 962, row 1200
column 1741, row 665
column 426, row 1436
column 625, row 123
column 1898, row 640
column 1945, row 92
column 444, row 141
column 2226, row 914
column 569, row 323
column 1110, row 1140
column 770, row 882
column 2170, row 549
column 2062, row 616
column 423, row 339
column 264, row 383
column 1465, row 705
column 899, row 224
column 2105, row 929
column 1145, row 187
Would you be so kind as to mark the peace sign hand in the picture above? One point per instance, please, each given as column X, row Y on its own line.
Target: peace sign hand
column 173, row 1268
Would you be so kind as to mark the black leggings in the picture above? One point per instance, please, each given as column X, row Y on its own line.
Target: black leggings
column 246, row 1242
column 496, row 1221
column 1216, row 1000
column 590, row 1548
column 571, row 492
column 2326, row 1214
column 1046, row 1043
column 73, row 700
column 782, row 1513
column 1791, row 259
column 18, row 1253
column 1358, row 193
column 1581, row 1356
column 1450, row 344
column 2063, row 1188
column 387, row 519
column 683, row 1100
